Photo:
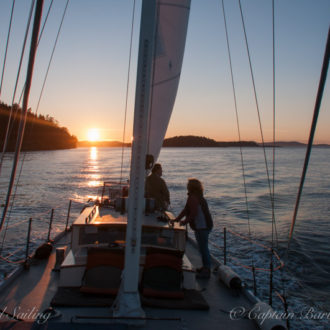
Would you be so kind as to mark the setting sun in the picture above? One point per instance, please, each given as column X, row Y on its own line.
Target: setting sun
column 93, row 134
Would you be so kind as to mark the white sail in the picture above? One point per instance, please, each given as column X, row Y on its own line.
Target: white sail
column 170, row 43
column 162, row 39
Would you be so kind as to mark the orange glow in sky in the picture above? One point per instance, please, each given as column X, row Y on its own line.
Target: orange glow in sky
column 93, row 88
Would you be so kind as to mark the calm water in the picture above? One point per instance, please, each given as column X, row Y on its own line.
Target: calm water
column 49, row 179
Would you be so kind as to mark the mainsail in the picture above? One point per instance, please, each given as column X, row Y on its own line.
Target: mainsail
column 172, row 23
column 162, row 40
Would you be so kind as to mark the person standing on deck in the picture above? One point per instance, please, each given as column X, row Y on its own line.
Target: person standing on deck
column 200, row 220
column 155, row 187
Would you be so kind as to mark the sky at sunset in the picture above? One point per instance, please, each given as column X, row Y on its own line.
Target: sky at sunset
column 87, row 81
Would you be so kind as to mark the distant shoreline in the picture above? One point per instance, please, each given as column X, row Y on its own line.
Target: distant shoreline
column 191, row 141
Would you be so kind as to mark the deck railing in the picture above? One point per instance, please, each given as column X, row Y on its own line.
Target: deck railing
column 10, row 257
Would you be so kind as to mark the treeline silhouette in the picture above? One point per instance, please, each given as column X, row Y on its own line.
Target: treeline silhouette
column 41, row 132
column 188, row 141
column 201, row 141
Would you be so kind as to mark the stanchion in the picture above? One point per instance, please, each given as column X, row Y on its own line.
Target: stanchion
column 26, row 264
column 224, row 245
column 271, row 279
column 254, row 280
column 50, row 225
column 68, row 216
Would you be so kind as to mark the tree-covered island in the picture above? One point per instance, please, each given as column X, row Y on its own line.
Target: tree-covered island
column 201, row 141
column 41, row 132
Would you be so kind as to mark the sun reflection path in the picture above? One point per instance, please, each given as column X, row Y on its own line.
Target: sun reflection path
column 93, row 153
column 94, row 179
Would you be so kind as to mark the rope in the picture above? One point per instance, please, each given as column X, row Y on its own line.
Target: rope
column 317, row 106
column 45, row 79
column 257, row 268
column 13, row 253
column 255, row 243
column 33, row 48
column 126, row 99
column 237, row 123
column 24, row 221
column 274, row 114
column 17, row 224
column 46, row 18
column 248, row 239
column 153, row 78
column 7, row 43
column 281, row 265
column 280, row 297
column 10, row 211
column 12, row 262
column 312, row 131
column 258, row 113
column 273, row 183
column 11, row 208
column 10, row 122
column 51, row 57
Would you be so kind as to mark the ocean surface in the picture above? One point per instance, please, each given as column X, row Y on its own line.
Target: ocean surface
column 49, row 179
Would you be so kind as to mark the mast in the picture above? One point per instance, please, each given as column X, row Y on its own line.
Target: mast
column 128, row 300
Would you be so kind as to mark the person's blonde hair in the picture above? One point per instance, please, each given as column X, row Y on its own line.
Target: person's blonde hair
column 194, row 186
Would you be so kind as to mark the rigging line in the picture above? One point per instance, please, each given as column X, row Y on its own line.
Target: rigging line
column 10, row 123
column 153, row 74
column 12, row 262
column 237, row 122
column 51, row 57
column 33, row 119
column 274, row 113
column 11, row 206
column 14, row 252
column 46, row 18
column 281, row 263
column 258, row 113
column 40, row 36
column 237, row 263
column 33, row 49
column 7, row 43
column 302, row 287
column 273, row 149
column 18, row 223
column 273, row 181
column 176, row 77
column 10, row 127
column 249, row 239
column 317, row 106
column 127, row 91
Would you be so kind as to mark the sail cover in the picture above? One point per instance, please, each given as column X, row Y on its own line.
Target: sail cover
column 169, row 48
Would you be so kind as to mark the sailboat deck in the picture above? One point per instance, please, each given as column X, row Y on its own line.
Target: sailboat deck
column 34, row 290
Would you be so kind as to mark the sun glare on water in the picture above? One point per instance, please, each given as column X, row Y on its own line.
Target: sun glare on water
column 93, row 134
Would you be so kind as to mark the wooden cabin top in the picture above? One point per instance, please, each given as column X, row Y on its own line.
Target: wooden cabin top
column 98, row 226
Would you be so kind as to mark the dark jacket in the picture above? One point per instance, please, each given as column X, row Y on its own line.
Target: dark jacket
column 191, row 209
column 155, row 187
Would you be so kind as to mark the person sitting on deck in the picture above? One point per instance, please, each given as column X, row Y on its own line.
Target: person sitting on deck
column 155, row 187
column 198, row 216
